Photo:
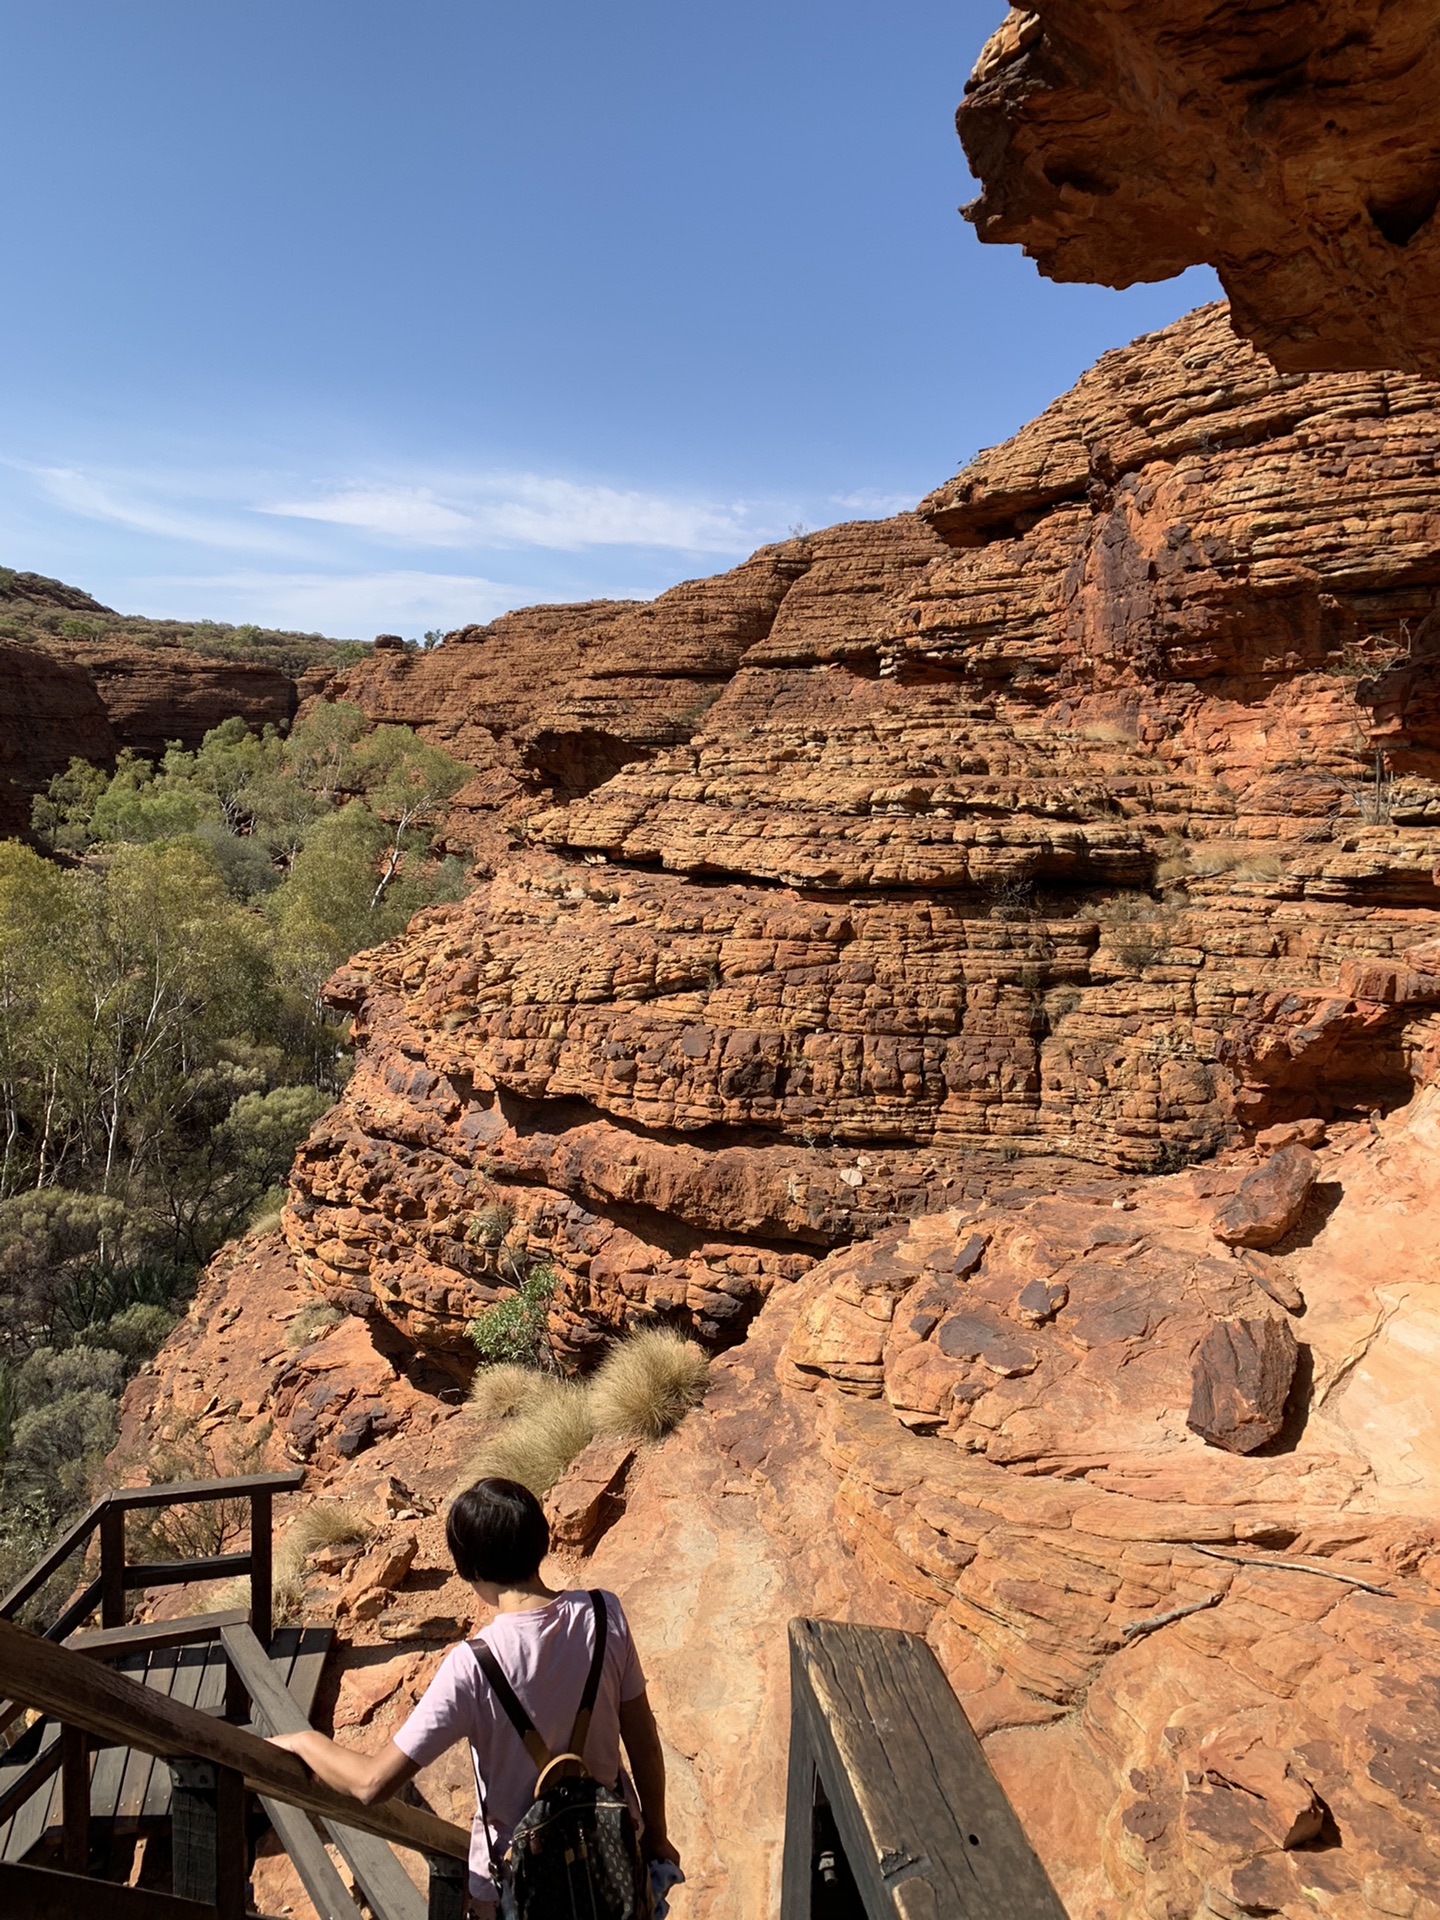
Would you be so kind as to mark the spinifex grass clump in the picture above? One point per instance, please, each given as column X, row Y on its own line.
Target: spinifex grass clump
column 538, row 1423
column 647, row 1384
column 536, row 1443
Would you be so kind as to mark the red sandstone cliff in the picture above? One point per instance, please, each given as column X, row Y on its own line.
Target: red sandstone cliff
column 1292, row 147
column 1039, row 844
column 864, row 1022
column 77, row 680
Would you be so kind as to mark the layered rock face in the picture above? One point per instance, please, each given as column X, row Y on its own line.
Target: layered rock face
column 51, row 711
column 548, row 703
column 77, row 680
column 1085, row 820
column 1293, row 148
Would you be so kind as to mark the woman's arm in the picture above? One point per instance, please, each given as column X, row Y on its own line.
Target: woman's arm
column 366, row 1777
column 647, row 1769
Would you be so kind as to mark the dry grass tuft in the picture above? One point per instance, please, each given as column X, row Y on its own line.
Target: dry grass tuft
column 537, row 1444
column 328, row 1523
column 647, row 1384
column 310, row 1321
column 505, row 1389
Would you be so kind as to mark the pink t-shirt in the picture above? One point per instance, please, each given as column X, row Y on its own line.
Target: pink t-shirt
column 544, row 1652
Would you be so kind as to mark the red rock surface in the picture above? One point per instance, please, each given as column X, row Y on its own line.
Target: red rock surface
column 1290, row 147
column 1205, row 1679
column 51, row 711
column 1058, row 843
column 854, row 1023
column 157, row 695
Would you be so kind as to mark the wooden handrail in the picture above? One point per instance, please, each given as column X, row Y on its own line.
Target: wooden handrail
column 80, row 1692
column 156, row 1635
column 39, row 1893
column 891, row 1801
column 31, row 1582
column 179, row 1493
column 116, row 1578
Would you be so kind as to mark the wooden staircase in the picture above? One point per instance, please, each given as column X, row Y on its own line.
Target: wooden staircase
column 157, row 1730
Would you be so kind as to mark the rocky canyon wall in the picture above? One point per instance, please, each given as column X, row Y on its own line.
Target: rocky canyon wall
column 1291, row 147
column 1080, row 821
column 980, row 973
column 77, row 680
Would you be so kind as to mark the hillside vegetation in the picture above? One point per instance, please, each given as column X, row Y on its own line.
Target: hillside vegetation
column 163, row 1046
column 35, row 610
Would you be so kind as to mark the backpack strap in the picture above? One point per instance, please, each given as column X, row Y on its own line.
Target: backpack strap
column 515, row 1712
column 509, row 1700
column 580, row 1733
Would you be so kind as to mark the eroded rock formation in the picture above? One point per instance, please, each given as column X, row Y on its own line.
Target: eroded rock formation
column 1291, row 147
column 1206, row 1679
column 80, row 681
column 1084, row 821
column 1081, row 827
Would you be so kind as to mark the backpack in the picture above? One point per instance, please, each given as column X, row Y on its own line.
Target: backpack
column 575, row 1849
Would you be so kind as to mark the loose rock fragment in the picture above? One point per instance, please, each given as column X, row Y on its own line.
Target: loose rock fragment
column 1269, row 1201
column 1241, row 1380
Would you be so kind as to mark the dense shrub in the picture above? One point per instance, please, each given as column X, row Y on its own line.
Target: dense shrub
column 163, row 1045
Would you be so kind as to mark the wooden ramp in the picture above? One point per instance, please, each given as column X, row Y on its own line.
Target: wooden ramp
column 130, row 1791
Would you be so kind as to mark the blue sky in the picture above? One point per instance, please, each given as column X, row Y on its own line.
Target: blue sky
column 361, row 317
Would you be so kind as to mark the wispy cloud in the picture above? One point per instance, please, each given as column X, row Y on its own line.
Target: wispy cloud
column 148, row 504
column 535, row 510
column 356, row 605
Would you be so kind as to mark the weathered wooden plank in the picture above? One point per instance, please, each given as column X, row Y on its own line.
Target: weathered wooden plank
column 155, row 1634
column 22, row 1778
column 925, row 1825
column 185, row 1682
column 308, row 1665
column 108, row 1772
column 88, row 1694
column 135, row 1782
column 37, row 1893
column 383, row 1881
column 179, row 1573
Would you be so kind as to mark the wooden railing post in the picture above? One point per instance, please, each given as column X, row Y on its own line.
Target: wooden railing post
column 261, row 1563
column 112, row 1566
column 449, row 1881
column 75, row 1799
column 892, row 1808
column 209, row 1857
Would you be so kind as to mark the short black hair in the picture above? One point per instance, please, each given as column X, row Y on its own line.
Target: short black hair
column 497, row 1530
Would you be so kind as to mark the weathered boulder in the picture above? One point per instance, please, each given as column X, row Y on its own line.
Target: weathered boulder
column 1242, row 1376
column 1269, row 1201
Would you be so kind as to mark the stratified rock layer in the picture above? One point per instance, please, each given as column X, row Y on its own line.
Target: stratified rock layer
column 1292, row 147
column 1091, row 828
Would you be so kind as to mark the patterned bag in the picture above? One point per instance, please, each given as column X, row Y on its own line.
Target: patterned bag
column 575, row 1850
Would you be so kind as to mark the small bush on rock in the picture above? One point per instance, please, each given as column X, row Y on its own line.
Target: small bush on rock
column 647, row 1384
column 513, row 1329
